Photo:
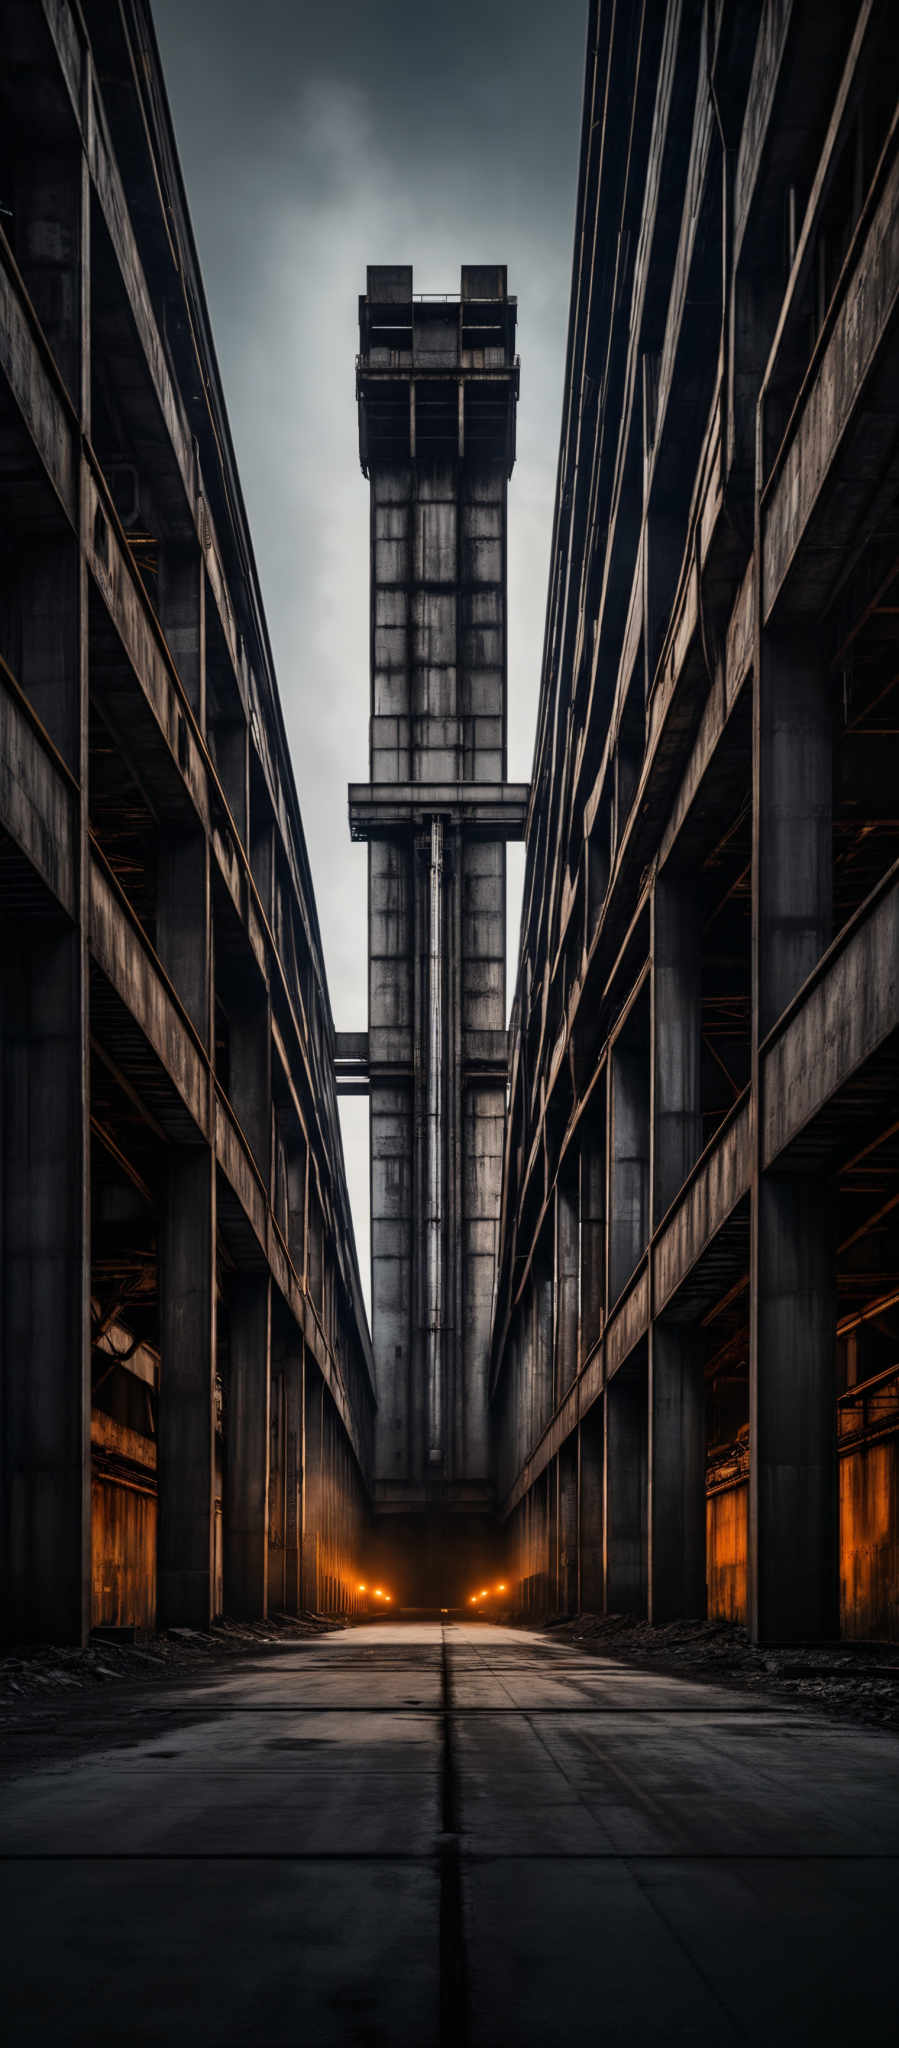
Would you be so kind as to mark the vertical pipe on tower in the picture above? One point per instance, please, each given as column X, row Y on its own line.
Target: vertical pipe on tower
column 435, row 1145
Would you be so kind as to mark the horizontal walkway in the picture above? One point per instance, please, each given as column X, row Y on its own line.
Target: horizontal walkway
column 403, row 1835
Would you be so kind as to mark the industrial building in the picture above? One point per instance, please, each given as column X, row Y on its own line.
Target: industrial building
column 437, row 382
column 188, row 1402
column 695, row 1370
column 635, row 1261
column 635, row 1249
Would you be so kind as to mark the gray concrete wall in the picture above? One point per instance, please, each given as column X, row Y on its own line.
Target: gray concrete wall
column 169, row 1119
column 704, row 1045
column 438, row 638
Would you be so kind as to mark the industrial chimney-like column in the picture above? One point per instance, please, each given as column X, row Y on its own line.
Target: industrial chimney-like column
column 437, row 383
column 435, row 1144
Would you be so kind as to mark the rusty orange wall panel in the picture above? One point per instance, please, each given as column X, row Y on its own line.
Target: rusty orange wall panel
column 869, row 1541
column 727, row 1546
column 123, row 1551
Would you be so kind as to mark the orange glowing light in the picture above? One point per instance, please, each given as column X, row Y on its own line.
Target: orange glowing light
column 484, row 1593
column 502, row 1586
column 361, row 1588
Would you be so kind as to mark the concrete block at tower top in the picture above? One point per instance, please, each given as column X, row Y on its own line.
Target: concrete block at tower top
column 389, row 284
column 484, row 280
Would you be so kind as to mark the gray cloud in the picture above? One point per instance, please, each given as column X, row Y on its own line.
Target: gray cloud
column 316, row 138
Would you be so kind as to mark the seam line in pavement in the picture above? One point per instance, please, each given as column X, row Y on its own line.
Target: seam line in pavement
column 628, row 1857
column 627, row 1863
column 435, row 1707
column 455, row 2029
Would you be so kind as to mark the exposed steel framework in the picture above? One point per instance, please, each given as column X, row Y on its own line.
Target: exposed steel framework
column 437, row 383
column 659, row 1331
column 188, row 1407
column 701, row 1194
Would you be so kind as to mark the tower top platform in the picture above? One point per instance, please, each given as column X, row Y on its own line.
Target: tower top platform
column 437, row 375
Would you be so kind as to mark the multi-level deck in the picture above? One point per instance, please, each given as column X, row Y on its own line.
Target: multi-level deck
column 696, row 1386
column 187, row 1405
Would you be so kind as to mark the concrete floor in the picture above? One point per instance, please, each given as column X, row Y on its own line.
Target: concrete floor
column 407, row 1835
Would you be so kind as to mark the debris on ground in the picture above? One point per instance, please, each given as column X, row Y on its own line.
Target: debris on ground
column 855, row 1680
column 44, row 1670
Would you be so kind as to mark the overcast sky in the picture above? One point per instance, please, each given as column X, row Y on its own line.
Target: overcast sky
column 317, row 136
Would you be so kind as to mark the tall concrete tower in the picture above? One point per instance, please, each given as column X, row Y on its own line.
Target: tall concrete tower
column 437, row 383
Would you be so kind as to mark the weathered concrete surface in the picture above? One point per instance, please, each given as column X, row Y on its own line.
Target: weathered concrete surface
column 437, row 811
column 168, row 1108
column 707, row 997
column 264, row 1855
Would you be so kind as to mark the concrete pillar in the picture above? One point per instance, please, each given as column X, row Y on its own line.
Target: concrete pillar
column 526, row 1519
column 282, row 1369
column 294, row 1430
column 598, row 844
column 230, row 749
column 186, row 1437
column 514, row 1538
column 45, row 1339
column 592, row 1230
column 793, row 1518
column 537, row 1562
column 676, row 1038
column 39, row 636
column 45, row 1312
column 546, row 1505
column 591, row 1596
column 628, row 1161
column 534, row 1552
column 328, row 1506
column 663, row 554
column 251, row 1068
column 49, row 209
column 245, row 1506
column 182, row 616
column 517, row 1397
column 522, row 1518
column 566, row 1285
column 793, row 1503
column 323, row 1514
column 554, row 1503
column 311, row 1503
column 794, row 820
column 676, row 1474
column 276, row 1485
column 541, row 1388
column 753, row 313
column 297, row 1152
column 183, row 922
column 625, row 1501
column 262, row 860
column 567, row 1510
column 315, row 1259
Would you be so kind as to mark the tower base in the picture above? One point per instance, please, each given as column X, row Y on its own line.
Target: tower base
column 437, row 1557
